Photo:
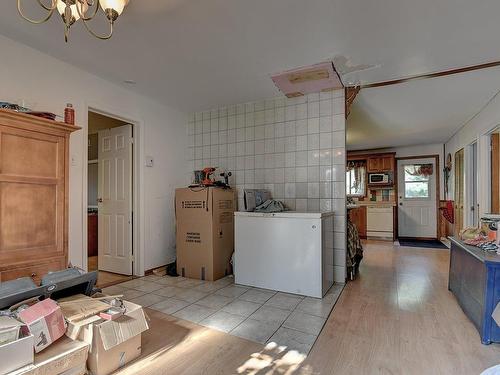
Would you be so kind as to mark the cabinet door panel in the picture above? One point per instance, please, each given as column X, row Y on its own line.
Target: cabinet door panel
column 373, row 164
column 29, row 154
column 32, row 220
column 387, row 163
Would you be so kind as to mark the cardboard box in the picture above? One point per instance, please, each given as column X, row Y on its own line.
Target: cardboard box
column 10, row 329
column 45, row 321
column 17, row 353
column 113, row 343
column 205, row 231
column 65, row 357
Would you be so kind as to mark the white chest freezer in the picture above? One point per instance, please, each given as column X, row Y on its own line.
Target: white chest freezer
column 288, row 251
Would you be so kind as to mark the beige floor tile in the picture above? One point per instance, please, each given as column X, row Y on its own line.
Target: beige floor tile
column 214, row 301
column 189, row 295
column 194, row 313
column 222, row 321
column 232, row 291
column 303, row 322
column 293, row 340
column 255, row 330
column 284, row 301
column 168, row 291
column 242, row 308
column 147, row 300
column 315, row 306
column 169, row 305
column 270, row 314
column 257, row 295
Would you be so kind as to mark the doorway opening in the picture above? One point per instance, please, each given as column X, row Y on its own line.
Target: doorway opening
column 495, row 171
column 110, row 198
column 472, row 185
column 459, row 191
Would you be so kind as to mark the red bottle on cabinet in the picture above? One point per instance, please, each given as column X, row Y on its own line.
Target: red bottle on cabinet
column 69, row 114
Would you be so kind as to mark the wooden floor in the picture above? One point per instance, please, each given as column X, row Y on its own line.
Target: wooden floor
column 397, row 318
column 400, row 318
column 104, row 278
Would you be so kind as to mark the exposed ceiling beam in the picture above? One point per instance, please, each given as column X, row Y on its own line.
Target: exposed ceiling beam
column 443, row 73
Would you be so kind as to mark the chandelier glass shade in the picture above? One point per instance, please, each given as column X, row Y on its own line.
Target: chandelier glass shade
column 72, row 11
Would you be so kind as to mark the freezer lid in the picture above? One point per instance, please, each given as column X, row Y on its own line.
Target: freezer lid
column 288, row 214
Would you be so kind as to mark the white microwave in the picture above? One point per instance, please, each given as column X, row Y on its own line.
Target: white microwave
column 378, row 178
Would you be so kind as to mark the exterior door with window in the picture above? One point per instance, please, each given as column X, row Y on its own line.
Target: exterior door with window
column 417, row 210
column 115, row 200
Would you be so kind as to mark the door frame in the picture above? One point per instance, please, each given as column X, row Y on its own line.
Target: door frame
column 137, row 177
column 456, row 180
column 469, row 182
column 438, row 193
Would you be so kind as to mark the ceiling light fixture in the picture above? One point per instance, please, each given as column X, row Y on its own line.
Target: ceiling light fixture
column 74, row 10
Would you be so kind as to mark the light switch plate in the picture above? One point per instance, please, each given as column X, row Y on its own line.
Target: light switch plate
column 149, row 161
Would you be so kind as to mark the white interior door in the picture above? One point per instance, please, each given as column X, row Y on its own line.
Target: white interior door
column 115, row 200
column 417, row 213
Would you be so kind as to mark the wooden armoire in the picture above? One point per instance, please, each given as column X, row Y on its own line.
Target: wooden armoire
column 34, row 161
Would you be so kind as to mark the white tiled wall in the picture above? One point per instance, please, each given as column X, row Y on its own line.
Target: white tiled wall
column 293, row 147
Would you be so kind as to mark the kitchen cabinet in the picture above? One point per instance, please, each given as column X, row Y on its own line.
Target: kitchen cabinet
column 358, row 218
column 34, row 195
column 380, row 163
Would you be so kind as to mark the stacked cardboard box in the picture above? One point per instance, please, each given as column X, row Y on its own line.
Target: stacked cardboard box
column 16, row 345
column 205, row 231
column 113, row 343
column 87, row 341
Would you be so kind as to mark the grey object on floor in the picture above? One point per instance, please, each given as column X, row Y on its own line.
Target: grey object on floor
column 55, row 284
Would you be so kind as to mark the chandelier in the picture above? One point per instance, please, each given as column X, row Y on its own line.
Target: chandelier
column 74, row 10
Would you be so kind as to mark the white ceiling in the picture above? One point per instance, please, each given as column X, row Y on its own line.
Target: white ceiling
column 198, row 54
column 418, row 112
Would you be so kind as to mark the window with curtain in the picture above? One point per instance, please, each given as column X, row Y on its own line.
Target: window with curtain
column 355, row 178
column 417, row 180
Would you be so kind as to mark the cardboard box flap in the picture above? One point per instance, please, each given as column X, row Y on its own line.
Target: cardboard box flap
column 10, row 330
column 6, row 322
column 74, row 328
column 115, row 332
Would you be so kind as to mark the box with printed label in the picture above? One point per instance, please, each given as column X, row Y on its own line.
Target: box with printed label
column 205, row 231
column 45, row 321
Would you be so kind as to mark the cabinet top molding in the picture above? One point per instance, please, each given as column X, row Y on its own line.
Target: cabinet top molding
column 13, row 118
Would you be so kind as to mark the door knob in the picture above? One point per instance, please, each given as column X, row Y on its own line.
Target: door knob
column 99, row 200
column 401, row 204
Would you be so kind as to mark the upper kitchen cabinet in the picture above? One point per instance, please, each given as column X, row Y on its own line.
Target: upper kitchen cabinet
column 380, row 163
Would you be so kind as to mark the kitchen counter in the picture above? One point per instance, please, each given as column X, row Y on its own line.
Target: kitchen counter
column 476, row 252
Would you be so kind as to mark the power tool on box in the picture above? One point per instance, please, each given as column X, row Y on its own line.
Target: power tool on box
column 207, row 172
